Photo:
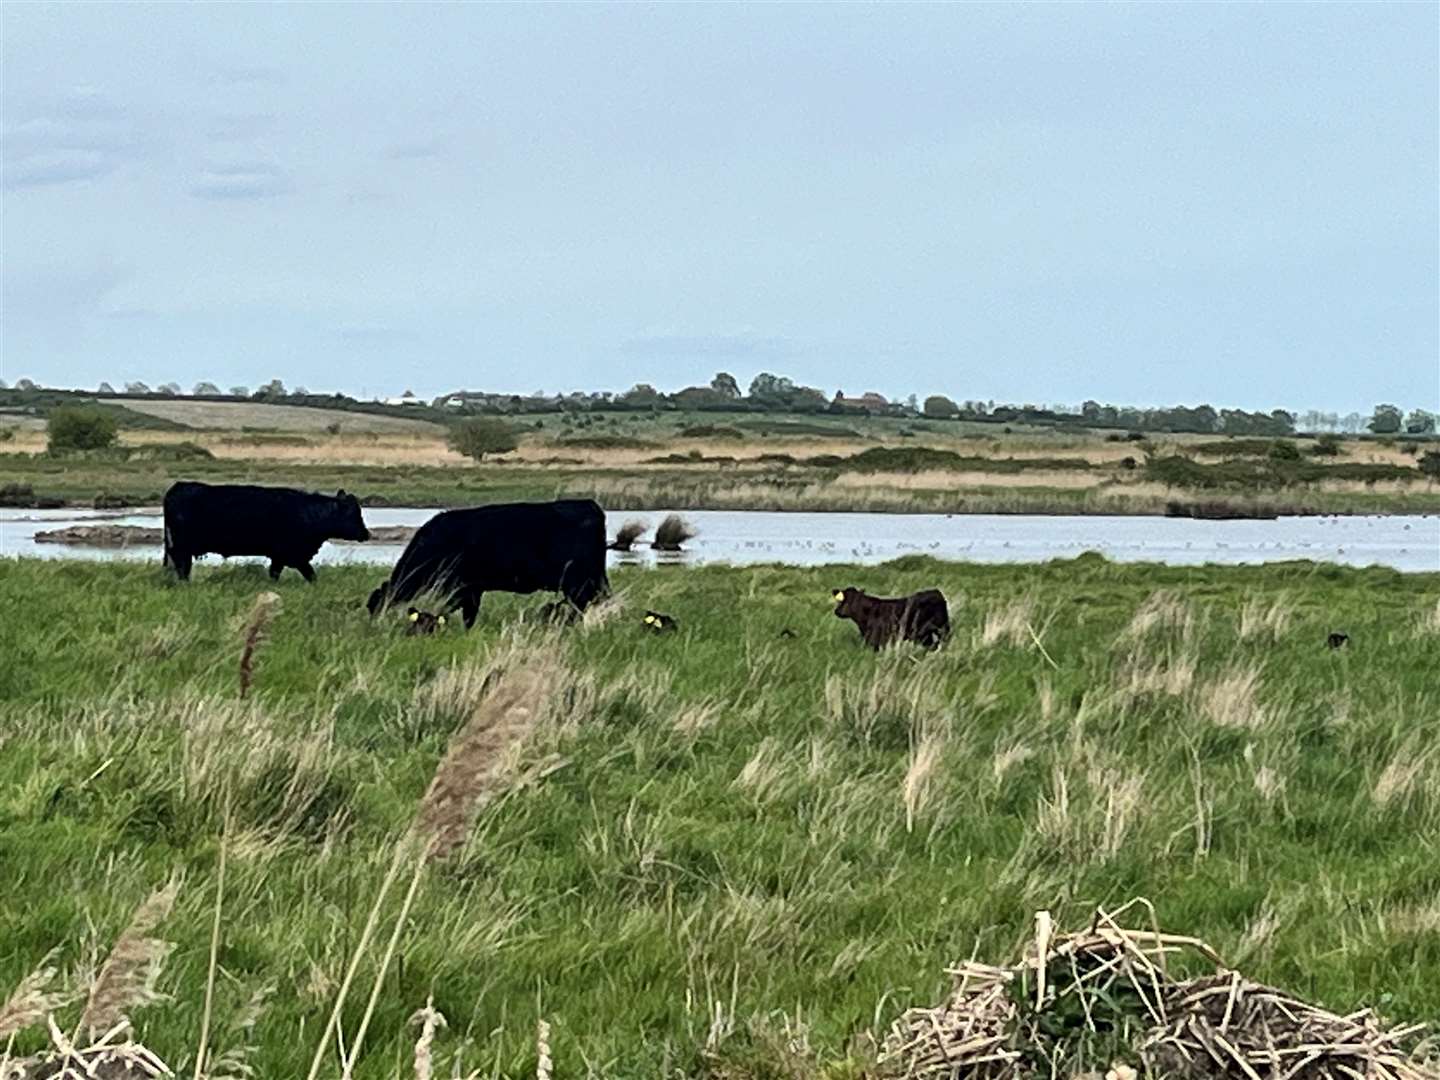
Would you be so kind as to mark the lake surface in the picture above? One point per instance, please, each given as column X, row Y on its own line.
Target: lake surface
column 1409, row 543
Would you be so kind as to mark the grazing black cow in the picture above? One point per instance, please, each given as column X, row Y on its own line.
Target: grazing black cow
column 283, row 524
column 922, row 617
column 422, row 622
column 514, row 547
column 1336, row 640
column 661, row 624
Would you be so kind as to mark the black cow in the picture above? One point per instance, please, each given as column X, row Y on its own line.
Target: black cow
column 283, row 524
column 921, row 617
column 513, row 547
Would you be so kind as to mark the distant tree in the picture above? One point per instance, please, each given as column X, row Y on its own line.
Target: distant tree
column 4, row 385
column 1352, row 423
column 300, row 391
column 1420, row 422
column 105, row 388
column 725, row 385
column 1385, row 420
column 169, row 389
column 239, row 391
column 73, row 427
column 912, row 403
column 481, row 436
column 25, row 384
column 136, row 388
column 770, row 390
column 641, row 394
column 1090, row 412
column 1430, row 464
column 205, row 389
column 271, row 391
column 940, row 407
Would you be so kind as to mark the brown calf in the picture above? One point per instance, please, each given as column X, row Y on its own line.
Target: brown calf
column 921, row 617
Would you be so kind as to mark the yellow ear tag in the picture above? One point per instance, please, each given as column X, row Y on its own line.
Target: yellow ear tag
column 442, row 620
column 649, row 619
column 414, row 616
column 837, row 597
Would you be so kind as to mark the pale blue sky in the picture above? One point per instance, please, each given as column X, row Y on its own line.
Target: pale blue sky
column 1147, row 204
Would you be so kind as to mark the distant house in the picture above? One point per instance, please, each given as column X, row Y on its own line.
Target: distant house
column 407, row 398
column 869, row 402
column 454, row 403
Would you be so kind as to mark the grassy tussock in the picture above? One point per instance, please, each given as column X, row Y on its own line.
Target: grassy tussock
column 683, row 854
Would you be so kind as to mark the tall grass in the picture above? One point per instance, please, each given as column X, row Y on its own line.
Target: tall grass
column 719, row 853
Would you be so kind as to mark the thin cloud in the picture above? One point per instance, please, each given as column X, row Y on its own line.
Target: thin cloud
column 254, row 180
column 79, row 137
column 417, row 149
column 237, row 127
column 55, row 167
column 253, row 75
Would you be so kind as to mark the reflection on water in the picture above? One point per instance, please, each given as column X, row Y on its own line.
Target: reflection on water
column 1410, row 543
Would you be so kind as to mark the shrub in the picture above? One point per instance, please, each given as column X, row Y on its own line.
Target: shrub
column 1284, row 450
column 1430, row 464
column 481, row 436
column 711, row 431
column 6, row 434
column 673, row 532
column 606, row 442
column 1326, row 446
column 73, row 427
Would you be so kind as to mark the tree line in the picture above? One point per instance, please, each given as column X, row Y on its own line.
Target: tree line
column 769, row 392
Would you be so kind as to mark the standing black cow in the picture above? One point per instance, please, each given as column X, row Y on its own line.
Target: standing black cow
column 285, row 525
column 513, row 547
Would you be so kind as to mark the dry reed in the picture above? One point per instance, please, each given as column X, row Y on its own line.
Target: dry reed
column 127, row 979
column 265, row 608
column 1033, row 1017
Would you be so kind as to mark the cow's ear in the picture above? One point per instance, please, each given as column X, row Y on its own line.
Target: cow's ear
column 340, row 494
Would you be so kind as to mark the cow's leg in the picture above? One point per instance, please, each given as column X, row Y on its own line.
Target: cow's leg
column 307, row 572
column 276, row 567
column 180, row 560
column 470, row 606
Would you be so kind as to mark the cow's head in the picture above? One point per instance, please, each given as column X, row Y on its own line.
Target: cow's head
column 378, row 598
column 846, row 602
column 347, row 520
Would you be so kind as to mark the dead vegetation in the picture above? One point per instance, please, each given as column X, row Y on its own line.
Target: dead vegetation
column 1107, row 994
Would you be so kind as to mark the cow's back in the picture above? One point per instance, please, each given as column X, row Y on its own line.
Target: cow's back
column 236, row 519
column 514, row 547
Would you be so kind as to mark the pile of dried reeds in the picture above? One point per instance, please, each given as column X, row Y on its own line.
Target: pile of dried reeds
column 107, row 1058
column 1107, row 989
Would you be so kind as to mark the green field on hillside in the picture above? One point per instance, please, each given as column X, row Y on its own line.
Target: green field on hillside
column 725, row 852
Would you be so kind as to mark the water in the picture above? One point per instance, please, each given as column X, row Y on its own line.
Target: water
column 1410, row 543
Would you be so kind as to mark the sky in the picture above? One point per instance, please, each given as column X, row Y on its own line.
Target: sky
column 1145, row 204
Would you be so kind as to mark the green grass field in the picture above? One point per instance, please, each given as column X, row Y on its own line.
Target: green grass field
column 723, row 852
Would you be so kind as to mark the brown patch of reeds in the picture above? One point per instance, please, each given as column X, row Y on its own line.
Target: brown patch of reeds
column 267, row 604
column 628, row 534
column 34, row 999
column 1037, row 1016
column 672, row 533
column 127, row 979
